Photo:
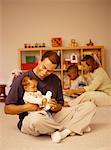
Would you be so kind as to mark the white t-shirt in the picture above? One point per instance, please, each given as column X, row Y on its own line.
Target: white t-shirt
column 78, row 82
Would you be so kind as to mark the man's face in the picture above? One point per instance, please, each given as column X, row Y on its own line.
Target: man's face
column 45, row 68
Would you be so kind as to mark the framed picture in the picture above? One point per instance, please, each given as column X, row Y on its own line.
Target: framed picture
column 73, row 58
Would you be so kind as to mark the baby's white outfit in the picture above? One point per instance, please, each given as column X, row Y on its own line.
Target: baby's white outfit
column 37, row 98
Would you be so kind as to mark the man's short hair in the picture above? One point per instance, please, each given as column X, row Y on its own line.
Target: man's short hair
column 52, row 56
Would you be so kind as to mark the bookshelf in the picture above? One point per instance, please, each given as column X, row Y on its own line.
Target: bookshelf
column 29, row 57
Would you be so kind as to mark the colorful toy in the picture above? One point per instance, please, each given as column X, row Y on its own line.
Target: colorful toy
column 73, row 58
column 73, row 43
column 90, row 43
column 34, row 45
column 56, row 42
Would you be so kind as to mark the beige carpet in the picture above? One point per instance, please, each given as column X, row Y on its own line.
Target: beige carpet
column 99, row 139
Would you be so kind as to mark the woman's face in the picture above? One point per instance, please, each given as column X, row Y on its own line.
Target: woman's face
column 86, row 68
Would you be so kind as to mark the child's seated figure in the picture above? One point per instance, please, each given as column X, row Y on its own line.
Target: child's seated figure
column 76, row 82
column 32, row 95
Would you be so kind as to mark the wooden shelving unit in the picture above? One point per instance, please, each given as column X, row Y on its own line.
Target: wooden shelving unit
column 64, row 53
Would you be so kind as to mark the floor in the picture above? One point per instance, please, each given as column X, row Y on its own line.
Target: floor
column 99, row 139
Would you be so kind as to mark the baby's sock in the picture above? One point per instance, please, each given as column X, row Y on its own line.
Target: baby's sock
column 58, row 136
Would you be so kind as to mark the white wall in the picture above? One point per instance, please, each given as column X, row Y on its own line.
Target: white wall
column 109, row 66
column 40, row 20
column 1, row 73
column 108, row 46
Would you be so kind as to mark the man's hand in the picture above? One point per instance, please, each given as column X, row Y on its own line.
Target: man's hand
column 53, row 103
column 32, row 107
column 54, row 106
column 13, row 109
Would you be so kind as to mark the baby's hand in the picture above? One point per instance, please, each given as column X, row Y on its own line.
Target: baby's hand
column 44, row 102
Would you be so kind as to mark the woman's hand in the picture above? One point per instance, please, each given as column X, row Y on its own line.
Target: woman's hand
column 69, row 92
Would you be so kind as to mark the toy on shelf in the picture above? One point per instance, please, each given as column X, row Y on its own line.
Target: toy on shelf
column 28, row 66
column 40, row 45
column 30, row 59
column 25, row 45
column 90, row 43
column 73, row 43
column 34, row 45
column 30, row 63
column 72, row 60
column 67, row 62
column 56, row 42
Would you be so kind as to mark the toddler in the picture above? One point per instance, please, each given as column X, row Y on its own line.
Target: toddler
column 77, row 82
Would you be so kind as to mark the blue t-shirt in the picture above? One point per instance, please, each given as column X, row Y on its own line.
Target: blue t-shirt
column 50, row 83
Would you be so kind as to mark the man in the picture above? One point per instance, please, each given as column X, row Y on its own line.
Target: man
column 67, row 120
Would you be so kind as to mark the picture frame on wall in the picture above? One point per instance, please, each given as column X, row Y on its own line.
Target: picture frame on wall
column 73, row 58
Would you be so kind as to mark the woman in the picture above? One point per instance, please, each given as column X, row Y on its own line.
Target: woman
column 98, row 89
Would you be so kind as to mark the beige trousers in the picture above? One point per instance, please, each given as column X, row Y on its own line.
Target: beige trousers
column 98, row 98
column 75, row 118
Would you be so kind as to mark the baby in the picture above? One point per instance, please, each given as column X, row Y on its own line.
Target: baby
column 33, row 95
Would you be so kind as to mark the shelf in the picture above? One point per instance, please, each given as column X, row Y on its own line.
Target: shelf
column 64, row 53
